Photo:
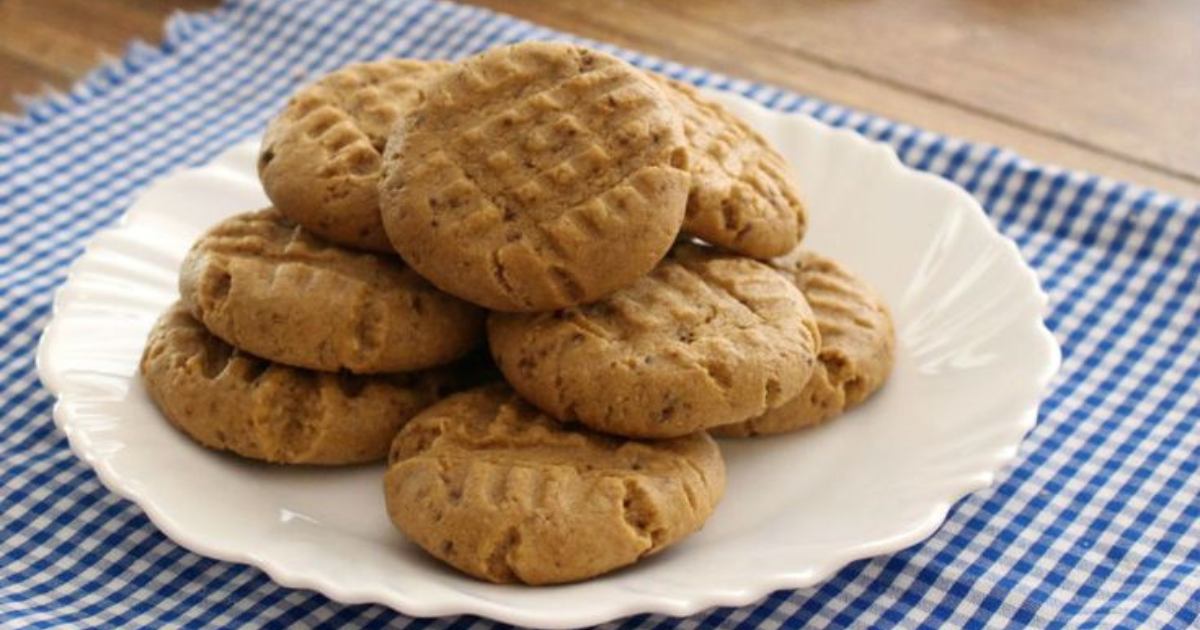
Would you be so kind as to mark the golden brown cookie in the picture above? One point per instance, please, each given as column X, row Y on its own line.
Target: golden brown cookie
column 742, row 196
column 857, row 347
column 320, row 159
column 494, row 488
column 228, row 400
column 267, row 286
column 536, row 176
column 703, row 340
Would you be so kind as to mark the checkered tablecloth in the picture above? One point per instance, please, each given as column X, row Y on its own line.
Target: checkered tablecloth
column 1096, row 525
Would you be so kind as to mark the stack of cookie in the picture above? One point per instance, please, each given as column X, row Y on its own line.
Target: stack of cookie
column 633, row 248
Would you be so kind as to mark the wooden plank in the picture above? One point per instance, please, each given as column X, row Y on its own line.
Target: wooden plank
column 159, row 10
column 1101, row 85
column 72, row 36
column 22, row 79
column 28, row 31
column 1118, row 77
column 649, row 27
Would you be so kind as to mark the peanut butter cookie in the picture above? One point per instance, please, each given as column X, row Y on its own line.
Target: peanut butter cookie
column 742, row 197
column 320, row 159
column 703, row 339
column 536, row 176
column 228, row 400
column 267, row 286
column 494, row 488
column 857, row 347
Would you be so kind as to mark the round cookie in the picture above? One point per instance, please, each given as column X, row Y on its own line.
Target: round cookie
column 703, row 340
column 228, row 400
column 742, row 197
column 269, row 287
column 491, row 486
column 320, row 158
column 857, row 347
column 536, row 176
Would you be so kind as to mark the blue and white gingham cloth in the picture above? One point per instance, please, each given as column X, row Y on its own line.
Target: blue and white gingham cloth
column 1096, row 525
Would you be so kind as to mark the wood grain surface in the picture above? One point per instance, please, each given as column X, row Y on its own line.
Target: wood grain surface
column 1107, row 86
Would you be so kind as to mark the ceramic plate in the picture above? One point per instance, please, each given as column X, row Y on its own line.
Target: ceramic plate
column 973, row 358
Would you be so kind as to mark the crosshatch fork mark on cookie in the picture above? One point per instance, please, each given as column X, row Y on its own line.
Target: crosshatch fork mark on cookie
column 499, row 490
column 271, row 288
column 228, row 399
column 703, row 338
column 564, row 157
column 322, row 155
column 558, row 150
column 742, row 197
column 509, row 185
column 674, row 296
column 264, row 237
column 363, row 101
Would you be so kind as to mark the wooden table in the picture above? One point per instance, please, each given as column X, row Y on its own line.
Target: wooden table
column 1107, row 86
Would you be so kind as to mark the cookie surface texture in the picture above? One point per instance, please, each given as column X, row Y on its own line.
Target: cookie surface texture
column 493, row 487
column 742, row 196
column 321, row 157
column 228, row 400
column 703, row 340
column 857, row 347
column 536, row 176
column 267, row 286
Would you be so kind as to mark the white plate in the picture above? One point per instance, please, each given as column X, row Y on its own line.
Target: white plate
column 973, row 359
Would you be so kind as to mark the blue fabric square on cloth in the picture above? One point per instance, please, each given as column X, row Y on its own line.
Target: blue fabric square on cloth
column 1096, row 525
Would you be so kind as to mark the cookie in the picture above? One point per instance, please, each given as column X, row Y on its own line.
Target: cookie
column 857, row 347
column 704, row 340
column 491, row 486
column 267, row 286
column 229, row 400
column 321, row 156
column 742, row 196
column 536, row 176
